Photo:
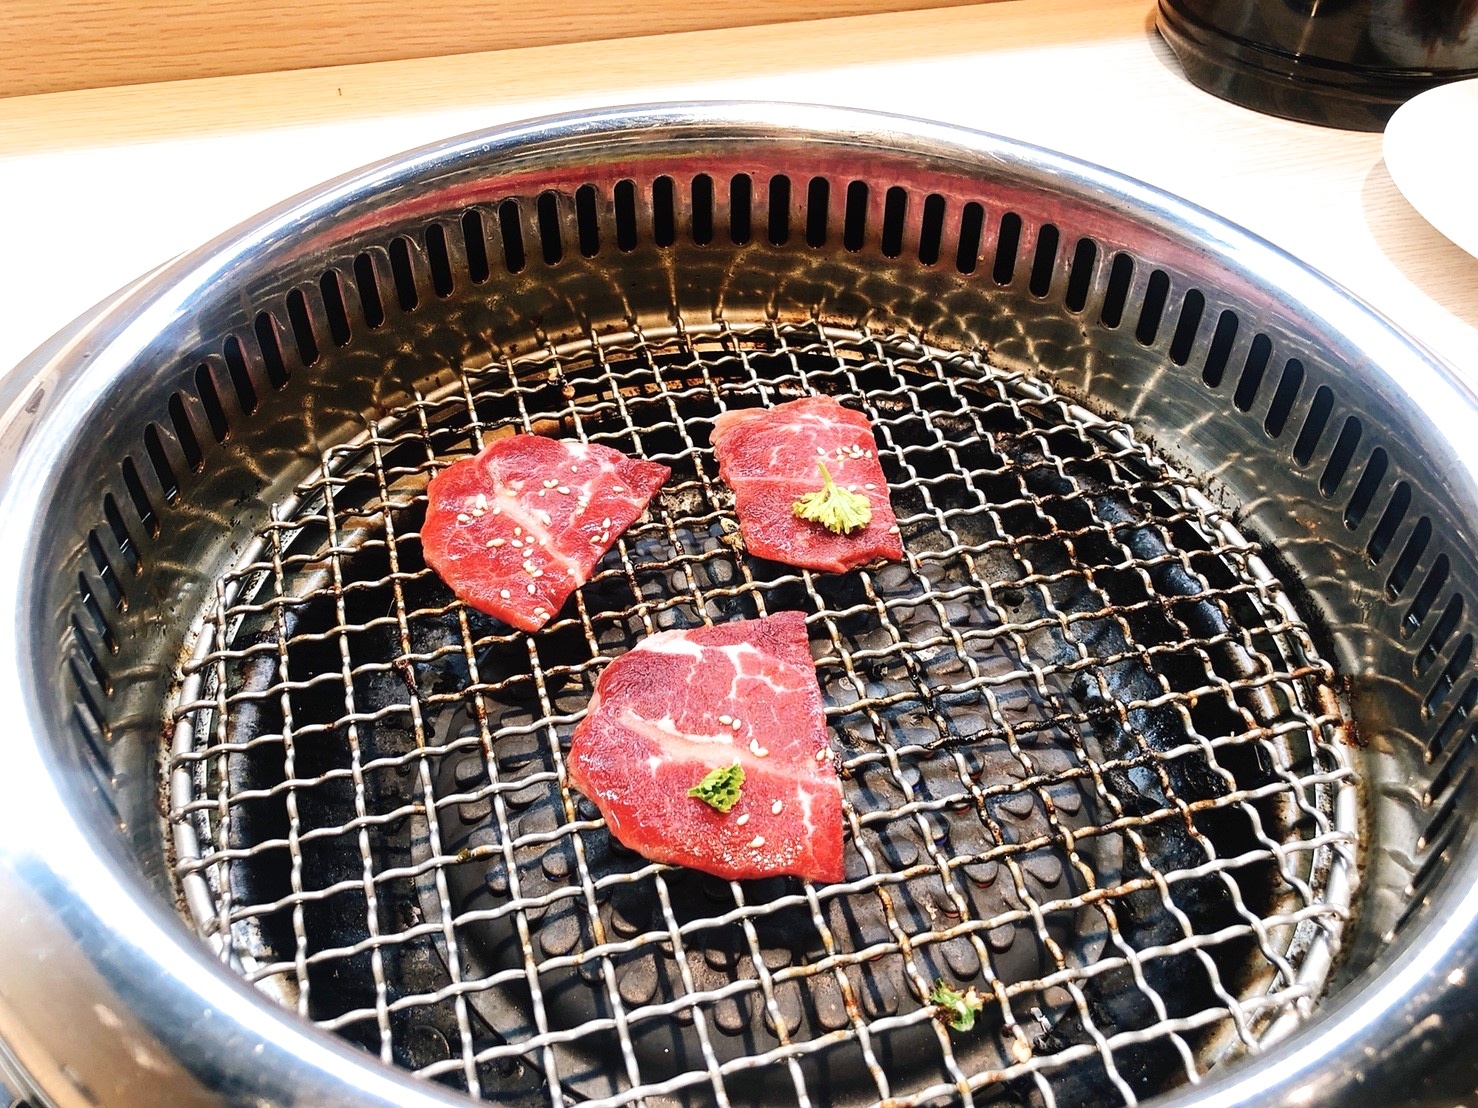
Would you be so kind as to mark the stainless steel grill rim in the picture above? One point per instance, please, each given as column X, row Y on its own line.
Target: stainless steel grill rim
column 1398, row 389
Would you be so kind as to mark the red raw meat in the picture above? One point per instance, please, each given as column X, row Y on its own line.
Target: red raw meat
column 519, row 527
column 769, row 456
column 684, row 703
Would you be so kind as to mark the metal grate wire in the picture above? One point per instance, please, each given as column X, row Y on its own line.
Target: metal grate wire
column 1093, row 761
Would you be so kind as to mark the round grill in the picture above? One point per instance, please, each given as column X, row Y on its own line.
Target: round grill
column 1092, row 761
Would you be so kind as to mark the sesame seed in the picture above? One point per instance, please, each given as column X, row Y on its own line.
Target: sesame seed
column 574, row 468
column 606, row 524
column 504, row 593
column 756, row 749
column 463, row 517
column 893, row 530
column 743, row 819
column 551, row 483
column 563, row 490
column 496, row 542
column 618, row 488
column 482, row 500
column 777, row 807
column 736, row 724
column 725, row 720
column 822, row 755
column 518, row 544
column 757, row 842
column 518, row 530
column 537, row 573
column 541, row 611
column 869, row 486
column 533, row 588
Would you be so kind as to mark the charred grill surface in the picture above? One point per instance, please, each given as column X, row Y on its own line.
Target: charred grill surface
column 1088, row 749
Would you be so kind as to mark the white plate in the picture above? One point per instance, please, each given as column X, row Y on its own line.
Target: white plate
column 1431, row 149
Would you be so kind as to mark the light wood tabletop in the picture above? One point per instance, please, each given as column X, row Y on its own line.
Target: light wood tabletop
column 102, row 185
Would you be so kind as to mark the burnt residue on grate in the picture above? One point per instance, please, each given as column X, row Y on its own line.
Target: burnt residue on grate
column 1088, row 753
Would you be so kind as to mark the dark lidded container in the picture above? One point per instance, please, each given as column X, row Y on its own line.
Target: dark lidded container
column 1341, row 63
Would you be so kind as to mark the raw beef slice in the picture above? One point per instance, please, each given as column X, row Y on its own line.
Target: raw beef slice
column 519, row 527
column 684, row 703
column 769, row 457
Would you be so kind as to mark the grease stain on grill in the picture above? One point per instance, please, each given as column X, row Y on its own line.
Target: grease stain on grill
column 1084, row 753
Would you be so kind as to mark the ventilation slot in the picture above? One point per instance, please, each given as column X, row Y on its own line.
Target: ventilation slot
column 854, row 221
column 1442, row 737
column 1284, row 397
column 271, row 348
column 95, row 723
column 210, row 400
column 1192, row 308
column 106, row 576
column 1080, row 275
column 587, row 221
column 1390, row 523
column 1459, row 761
column 895, row 212
column 184, row 433
column 403, row 273
column 741, row 200
column 818, row 199
column 1253, row 371
column 475, row 243
column 1426, row 596
column 1044, row 261
column 1008, row 241
column 779, row 221
column 972, row 227
column 368, row 287
column 1121, row 273
column 121, row 538
column 1405, row 565
column 1450, row 673
column 1340, row 458
column 134, row 486
column 1364, row 494
column 625, row 197
column 90, row 656
column 439, row 258
column 931, row 229
column 1153, row 309
column 510, row 230
column 159, row 462
column 1446, row 625
column 302, row 328
column 1434, row 834
column 95, row 613
column 1320, row 410
column 702, row 209
column 551, row 244
column 1219, row 352
column 334, row 309
column 664, row 212
column 241, row 382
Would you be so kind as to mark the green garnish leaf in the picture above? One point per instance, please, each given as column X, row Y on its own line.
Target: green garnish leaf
column 956, row 1008
column 835, row 508
column 720, row 788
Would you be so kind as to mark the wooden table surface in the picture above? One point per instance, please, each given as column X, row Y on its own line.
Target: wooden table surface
column 100, row 186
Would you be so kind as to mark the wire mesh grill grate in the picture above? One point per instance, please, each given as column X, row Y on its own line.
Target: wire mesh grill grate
column 1091, row 760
